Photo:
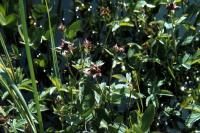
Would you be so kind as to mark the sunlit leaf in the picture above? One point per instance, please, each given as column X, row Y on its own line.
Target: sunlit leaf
column 73, row 29
column 194, row 117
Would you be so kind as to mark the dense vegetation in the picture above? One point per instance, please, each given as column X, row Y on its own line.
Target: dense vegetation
column 100, row 66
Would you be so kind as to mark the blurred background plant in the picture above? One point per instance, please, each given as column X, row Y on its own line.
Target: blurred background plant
column 100, row 66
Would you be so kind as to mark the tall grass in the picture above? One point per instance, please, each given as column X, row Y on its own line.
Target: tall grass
column 7, row 56
column 54, row 56
column 30, row 64
column 7, row 82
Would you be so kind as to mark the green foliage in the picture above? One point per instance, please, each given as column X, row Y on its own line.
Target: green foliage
column 100, row 66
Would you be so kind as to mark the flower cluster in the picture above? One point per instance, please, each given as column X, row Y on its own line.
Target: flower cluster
column 65, row 47
column 87, row 45
column 94, row 70
column 105, row 11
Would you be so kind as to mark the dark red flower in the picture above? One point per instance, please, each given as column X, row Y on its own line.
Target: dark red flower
column 65, row 47
column 172, row 6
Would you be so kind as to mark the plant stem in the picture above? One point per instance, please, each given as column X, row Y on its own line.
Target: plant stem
column 54, row 56
column 30, row 64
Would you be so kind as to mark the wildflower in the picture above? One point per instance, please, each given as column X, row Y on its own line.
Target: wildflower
column 172, row 6
column 65, row 47
column 105, row 11
column 93, row 71
column 87, row 45
column 61, row 27
column 118, row 49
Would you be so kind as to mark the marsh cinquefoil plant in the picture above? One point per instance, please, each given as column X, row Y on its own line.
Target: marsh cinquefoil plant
column 99, row 66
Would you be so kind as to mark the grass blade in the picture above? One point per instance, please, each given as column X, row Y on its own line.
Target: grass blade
column 54, row 55
column 16, row 96
column 7, row 55
column 30, row 64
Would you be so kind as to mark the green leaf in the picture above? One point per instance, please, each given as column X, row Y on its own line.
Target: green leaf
column 2, row 111
column 120, row 23
column 56, row 82
column 185, row 58
column 39, row 8
column 165, row 93
column 87, row 115
column 2, row 20
column 180, row 20
column 6, row 20
column 188, row 40
column 42, row 108
column 136, row 129
column 150, row 6
column 120, row 77
column 168, row 25
column 73, row 29
column 103, row 124
column 2, row 10
column 195, row 116
column 148, row 117
column 140, row 4
column 193, row 107
column 97, row 97
column 116, row 99
column 10, row 19
column 110, row 53
column 171, row 72
column 40, row 62
column 131, row 52
column 115, row 26
column 177, row 1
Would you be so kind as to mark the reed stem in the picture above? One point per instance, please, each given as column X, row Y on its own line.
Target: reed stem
column 30, row 64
